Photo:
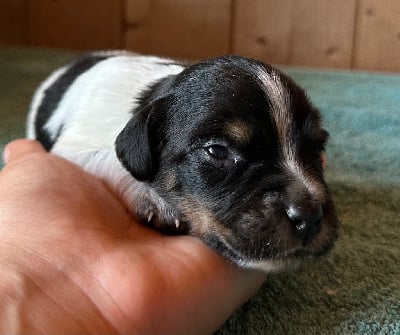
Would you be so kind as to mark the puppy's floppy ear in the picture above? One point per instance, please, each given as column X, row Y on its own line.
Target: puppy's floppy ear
column 138, row 144
column 133, row 145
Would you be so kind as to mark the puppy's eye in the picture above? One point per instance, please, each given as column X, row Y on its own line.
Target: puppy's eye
column 218, row 151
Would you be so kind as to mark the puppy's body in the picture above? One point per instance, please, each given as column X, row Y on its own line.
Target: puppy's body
column 80, row 109
column 227, row 150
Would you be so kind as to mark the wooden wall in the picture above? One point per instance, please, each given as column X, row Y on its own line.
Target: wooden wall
column 77, row 24
column 356, row 34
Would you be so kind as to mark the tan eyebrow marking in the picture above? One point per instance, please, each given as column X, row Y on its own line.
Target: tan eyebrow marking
column 239, row 131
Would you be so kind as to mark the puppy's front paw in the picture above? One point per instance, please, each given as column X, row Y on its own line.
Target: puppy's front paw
column 163, row 220
column 152, row 210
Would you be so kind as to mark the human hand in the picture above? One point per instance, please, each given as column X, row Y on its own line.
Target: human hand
column 73, row 260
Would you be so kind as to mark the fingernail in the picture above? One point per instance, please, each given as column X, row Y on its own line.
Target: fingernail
column 6, row 154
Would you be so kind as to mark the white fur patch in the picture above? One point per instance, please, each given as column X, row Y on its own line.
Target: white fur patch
column 99, row 103
column 280, row 104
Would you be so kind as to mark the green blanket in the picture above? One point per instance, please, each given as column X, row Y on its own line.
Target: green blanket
column 355, row 289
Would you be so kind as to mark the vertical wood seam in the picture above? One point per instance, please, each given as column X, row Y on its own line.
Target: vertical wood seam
column 289, row 57
column 355, row 34
column 24, row 37
column 232, row 26
column 28, row 23
column 122, row 24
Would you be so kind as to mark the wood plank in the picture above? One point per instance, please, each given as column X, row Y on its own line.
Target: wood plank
column 262, row 29
column 297, row 32
column 137, row 10
column 178, row 28
column 89, row 24
column 323, row 33
column 377, row 43
column 13, row 22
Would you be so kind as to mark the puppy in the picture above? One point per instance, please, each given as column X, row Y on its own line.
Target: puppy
column 228, row 150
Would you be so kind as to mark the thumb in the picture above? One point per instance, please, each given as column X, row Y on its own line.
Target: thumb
column 20, row 148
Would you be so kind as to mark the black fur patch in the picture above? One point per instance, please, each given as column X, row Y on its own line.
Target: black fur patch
column 54, row 94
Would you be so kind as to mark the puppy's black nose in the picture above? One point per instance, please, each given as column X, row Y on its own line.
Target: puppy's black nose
column 306, row 222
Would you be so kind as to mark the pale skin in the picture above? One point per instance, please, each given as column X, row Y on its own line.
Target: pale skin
column 74, row 261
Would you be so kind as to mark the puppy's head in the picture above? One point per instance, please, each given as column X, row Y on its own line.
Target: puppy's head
column 234, row 147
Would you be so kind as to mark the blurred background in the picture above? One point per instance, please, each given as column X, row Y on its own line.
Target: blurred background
column 347, row 34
